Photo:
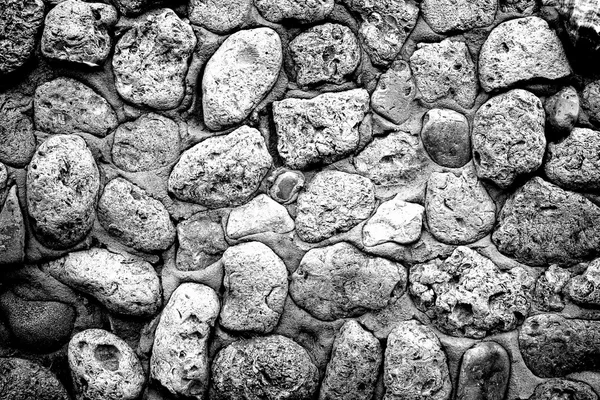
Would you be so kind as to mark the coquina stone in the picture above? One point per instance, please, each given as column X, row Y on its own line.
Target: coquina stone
column 201, row 242
column 451, row 16
column 394, row 92
column 394, row 221
column 562, row 111
column 27, row 380
column 484, row 373
column 219, row 16
column 549, row 289
column 446, row 137
column 62, row 188
column 556, row 388
column 16, row 132
column 12, row 230
column 304, row 11
column 584, row 289
column 261, row 214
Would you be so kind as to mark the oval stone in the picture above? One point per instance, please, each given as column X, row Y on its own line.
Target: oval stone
column 484, row 373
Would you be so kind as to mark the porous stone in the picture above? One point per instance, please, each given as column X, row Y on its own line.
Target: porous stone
column 255, row 288
column 219, row 16
column 272, row 367
column 590, row 101
column 62, row 186
column 548, row 293
column 201, row 242
column 508, row 137
column 320, row 130
column 555, row 389
column 304, row 11
column 151, row 60
column 180, row 353
column 261, row 214
column 446, row 137
column 239, row 75
column 104, row 367
column 333, row 202
column 584, row 289
column 394, row 92
column 16, row 134
column 445, row 16
column 222, row 171
column 523, row 7
column 340, row 281
column 394, row 221
column 286, row 185
column 133, row 7
column 415, row 365
column 27, row 380
column 354, row 365
column 484, row 373
column 65, row 105
column 467, row 295
column 12, row 230
column 445, row 70
column 520, row 50
column 562, row 111
column 542, row 224
column 134, row 218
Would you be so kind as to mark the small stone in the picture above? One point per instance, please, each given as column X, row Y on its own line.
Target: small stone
column 521, row 50
column 320, row 130
column 132, row 7
column 180, row 353
column 394, row 93
column 553, row 346
column 523, row 7
column 444, row 16
column 65, row 105
column 286, row 185
column 340, row 281
column 562, row 111
column 508, row 137
column 26, row 380
column 271, row 367
column 261, row 214
column 239, row 75
column 255, row 288
column 484, row 373
column 222, row 171
column 584, row 289
column 548, row 292
column 467, row 295
column 124, row 285
column 354, row 366
column 104, row 367
column 134, row 218
column 3, row 177
column 394, row 221
column 151, row 60
column 150, row 142
column 445, row 70
column 305, row 11
column 542, row 224
column 12, row 230
column 556, row 389
column 333, row 202
column 16, row 135
column 62, row 187
column 590, row 101
column 79, row 32
column 220, row 16
column 415, row 365
column 201, row 242
column 446, row 137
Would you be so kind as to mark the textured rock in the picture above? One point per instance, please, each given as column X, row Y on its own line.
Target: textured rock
column 239, row 75
column 523, row 7
column 301, row 10
column 180, row 353
column 65, row 105
column 271, row 367
column 286, row 185
column 584, row 289
column 484, row 373
column 201, row 243
column 590, row 101
column 104, row 367
column 446, row 137
column 415, row 365
column 468, row 295
column 62, row 186
column 151, row 60
column 555, row 389
column 133, row 7
column 542, row 224
column 222, row 171
column 394, row 92
column 445, row 70
column 16, row 134
column 394, row 221
column 520, row 50
column 508, row 137
column 12, row 230
column 134, row 218
column 562, row 111
column 319, row 130
column 445, row 16
column 333, row 202
column 340, row 281
column 548, row 294
column 261, row 214
column 580, row 18
column 26, row 380
column 220, row 16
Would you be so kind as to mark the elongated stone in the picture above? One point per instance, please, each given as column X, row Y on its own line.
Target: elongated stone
column 484, row 373
column 12, row 230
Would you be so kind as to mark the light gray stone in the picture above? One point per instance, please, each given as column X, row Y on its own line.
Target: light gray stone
column 261, row 214
column 584, row 289
column 394, row 221
column 201, row 242
column 16, row 131
column 446, row 137
column 562, row 111
column 446, row 16
column 301, row 10
column 394, row 92
column 220, row 16
column 548, row 293
column 556, row 388
column 590, row 101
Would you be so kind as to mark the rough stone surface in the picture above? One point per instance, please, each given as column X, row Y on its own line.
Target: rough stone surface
column 132, row 7
column 301, row 10
column 484, row 373
column 12, row 230
column 562, row 111
column 446, row 137
column 451, row 16
column 581, row 23
column 548, row 293
column 201, row 243
column 16, row 133
column 394, row 221
column 394, row 92
column 555, row 389
column 26, row 380
column 286, row 185
column 220, row 16
column 261, row 214
column 584, row 289
column 590, row 101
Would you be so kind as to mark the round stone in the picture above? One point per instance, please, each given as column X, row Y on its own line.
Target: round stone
column 27, row 380
column 394, row 221
column 557, row 388
column 446, row 137
column 562, row 111
column 220, row 16
column 201, row 242
column 484, row 372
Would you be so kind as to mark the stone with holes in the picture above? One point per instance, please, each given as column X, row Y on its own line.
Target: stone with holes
column 394, row 221
column 394, row 92
column 220, row 16
column 201, row 242
column 484, row 372
column 584, row 289
column 446, row 137
column 261, row 214
column 24, row 379
column 132, row 7
column 305, row 11
column 549, row 294
column 446, row 16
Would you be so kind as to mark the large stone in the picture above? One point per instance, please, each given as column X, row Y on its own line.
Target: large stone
column 150, row 62
column 62, row 186
column 12, row 230
column 562, row 111
column 219, row 16
column 508, row 137
column 261, row 214
column 201, row 242
column 333, row 202
column 27, row 380
column 304, row 11
column 446, row 137
column 444, row 16
column 542, row 224
column 239, row 75
column 521, row 50
column 467, row 295
column 584, row 289
column 394, row 92
column 484, row 373
column 555, row 389
column 394, row 221
column 222, row 171
column 16, row 132
column 320, row 130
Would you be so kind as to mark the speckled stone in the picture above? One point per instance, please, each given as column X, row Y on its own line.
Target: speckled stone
column 22, row 379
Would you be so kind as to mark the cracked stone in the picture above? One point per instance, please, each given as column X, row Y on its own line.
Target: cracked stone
column 261, row 214
column 446, row 137
column 394, row 93
column 394, row 221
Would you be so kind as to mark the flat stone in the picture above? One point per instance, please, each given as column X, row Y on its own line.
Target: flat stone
column 554, row 389
column 548, row 293
column 286, row 185
column 12, row 230
column 562, row 111
column 304, row 11
column 16, row 133
column 590, row 101
column 584, row 289
column 446, row 137
column 394, row 221
column 24, row 379
column 521, row 50
column 445, row 16
column 222, row 171
column 320, row 130
column 261, row 214
column 484, row 373
column 201, row 242
column 394, row 92
column 239, row 75
column 150, row 62
column 333, row 202
column 508, row 137
column 220, row 16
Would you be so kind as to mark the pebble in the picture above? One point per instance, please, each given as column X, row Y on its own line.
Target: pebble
column 584, row 289
column 201, row 242
column 220, row 16
column 446, row 137
column 302, row 11
column 395, row 221
column 261, row 214
column 562, row 111
column 24, row 379
column 286, row 185
column 484, row 373
column 451, row 16
column 394, row 92
column 12, row 230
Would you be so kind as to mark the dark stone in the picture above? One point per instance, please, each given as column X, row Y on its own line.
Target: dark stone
column 484, row 373
column 25, row 380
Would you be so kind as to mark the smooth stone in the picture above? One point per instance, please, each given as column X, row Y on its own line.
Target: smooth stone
column 286, row 185
column 394, row 221
column 484, row 373
column 261, row 214
column 446, row 137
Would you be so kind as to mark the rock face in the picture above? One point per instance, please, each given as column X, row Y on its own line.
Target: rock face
column 222, row 171
column 467, row 295
column 508, row 137
column 333, row 202
column 303, row 11
column 394, row 221
column 584, row 289
column 239, row 75
column 12, row 230
column 450, row 16
column 415, row 365
column 219, row 16
column 24, row 379
column 557, row 388
column 319, row 130
column 151, row 60
column 520, row 50
column 542, row 224
column 446, row 137
column 201, row 242
column 484, row 373
column 65, row 105
column 261, row 214
column 62, row 187
column 180, row 354
column 562, row 111
column 272, row 367
column 394, row 92
column 340, row 281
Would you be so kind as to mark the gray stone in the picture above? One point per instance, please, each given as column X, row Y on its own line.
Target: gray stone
column 394, row 92
column 132, row 7
column 562, row 111
column 27, row 380
column 16, row 132
column 556, row 389
column 548, row 293
column 580, row 20
column 590, row 101
column 445, row 16
column 201, row 242
column 261, row 214
column 220, row 16
column 305, row 11
column 320, row 130
column 484, row 373
column 12, row 230
column 394, row 221
column 584, row 289
column 523, row 7
column 286, row 185
column 446, row 137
